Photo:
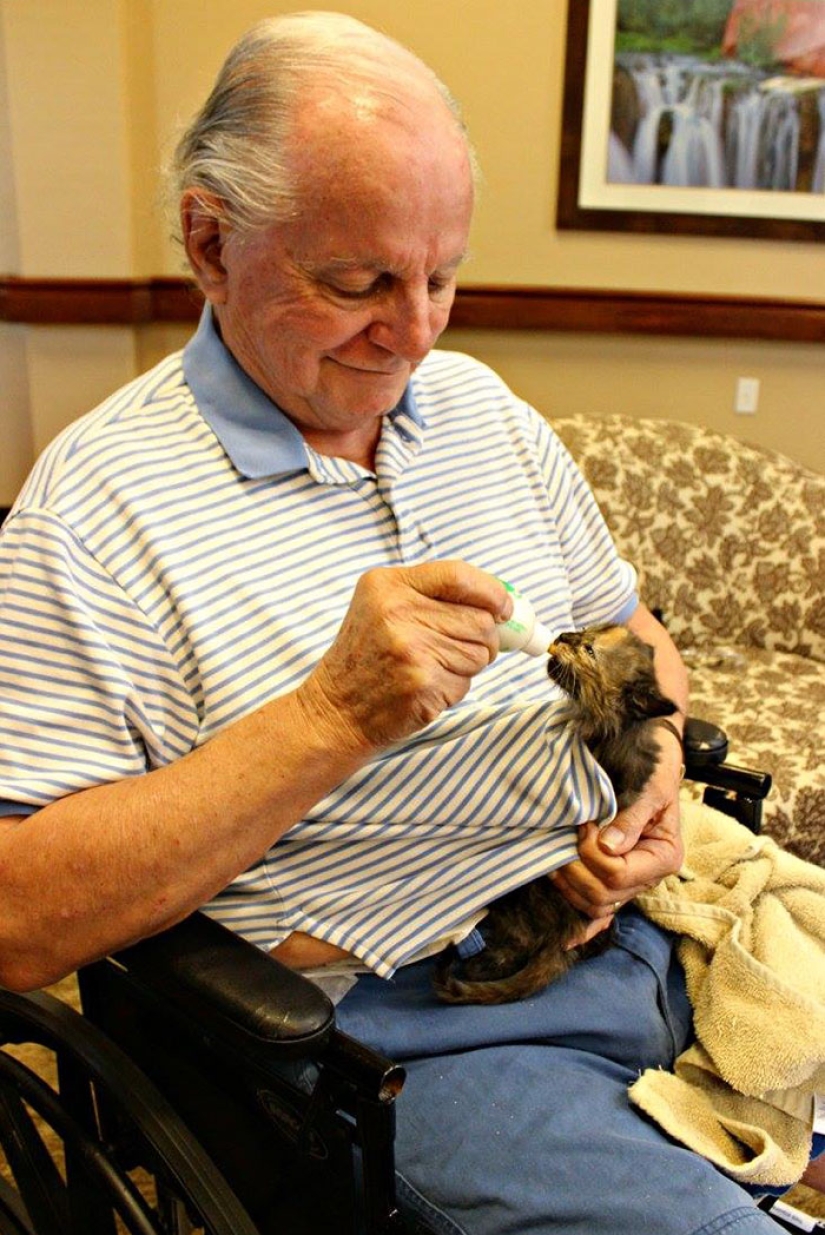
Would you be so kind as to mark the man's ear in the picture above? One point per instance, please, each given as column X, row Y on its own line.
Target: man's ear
column 204, row 234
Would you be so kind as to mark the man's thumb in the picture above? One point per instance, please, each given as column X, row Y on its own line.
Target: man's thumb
column 618, row 838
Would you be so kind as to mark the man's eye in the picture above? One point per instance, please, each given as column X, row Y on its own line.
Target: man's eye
column 355, row 293
column 436, row 286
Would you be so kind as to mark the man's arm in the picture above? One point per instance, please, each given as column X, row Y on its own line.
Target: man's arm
column 108, row 865
column 643, row 843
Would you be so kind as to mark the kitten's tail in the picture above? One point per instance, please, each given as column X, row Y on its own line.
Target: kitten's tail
column 543, row 967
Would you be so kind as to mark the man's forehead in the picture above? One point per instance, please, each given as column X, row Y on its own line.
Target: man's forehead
column 362, row 124
column 371, row 87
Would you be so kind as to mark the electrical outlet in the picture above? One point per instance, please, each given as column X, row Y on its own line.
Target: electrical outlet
column 747, row 396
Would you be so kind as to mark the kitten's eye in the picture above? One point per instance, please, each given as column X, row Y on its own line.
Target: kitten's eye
column 591, row 651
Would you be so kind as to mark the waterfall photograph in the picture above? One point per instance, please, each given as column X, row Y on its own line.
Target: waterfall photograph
column 704, row 116
column 719, row 94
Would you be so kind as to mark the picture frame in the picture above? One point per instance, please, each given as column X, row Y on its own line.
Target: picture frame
column 590, row 199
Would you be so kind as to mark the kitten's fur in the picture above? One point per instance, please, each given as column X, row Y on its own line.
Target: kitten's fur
column 607, row 673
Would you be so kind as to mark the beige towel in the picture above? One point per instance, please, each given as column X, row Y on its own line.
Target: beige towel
column 752, row 921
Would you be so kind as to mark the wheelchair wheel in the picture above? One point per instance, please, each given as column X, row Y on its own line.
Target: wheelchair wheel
column 89, row 1145
column 13, row 1220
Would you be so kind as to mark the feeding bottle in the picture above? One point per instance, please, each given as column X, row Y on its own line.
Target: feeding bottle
column 523, row 632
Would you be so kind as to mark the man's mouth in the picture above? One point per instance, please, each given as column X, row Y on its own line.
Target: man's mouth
column 370, row 370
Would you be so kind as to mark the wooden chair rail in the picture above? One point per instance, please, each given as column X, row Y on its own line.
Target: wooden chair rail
column 138, row 302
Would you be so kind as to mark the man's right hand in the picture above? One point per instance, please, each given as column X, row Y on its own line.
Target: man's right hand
column 409, row 646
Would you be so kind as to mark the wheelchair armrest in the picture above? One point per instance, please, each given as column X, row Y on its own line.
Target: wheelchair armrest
column 735, row 791
column 206, row 971
column 704, row 743
column 706, row 749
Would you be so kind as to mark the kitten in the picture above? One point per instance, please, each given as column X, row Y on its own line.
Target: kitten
column 607, row 673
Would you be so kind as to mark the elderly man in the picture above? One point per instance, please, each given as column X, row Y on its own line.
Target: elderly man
column 249, row 636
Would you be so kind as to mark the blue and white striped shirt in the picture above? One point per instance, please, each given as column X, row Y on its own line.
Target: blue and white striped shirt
column 180, row 556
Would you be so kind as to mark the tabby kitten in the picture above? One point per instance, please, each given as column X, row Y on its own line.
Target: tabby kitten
column 607, row 673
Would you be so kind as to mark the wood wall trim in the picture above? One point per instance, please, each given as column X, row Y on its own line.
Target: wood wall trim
column 137, row 302
column 97, row 302
column 602, row 311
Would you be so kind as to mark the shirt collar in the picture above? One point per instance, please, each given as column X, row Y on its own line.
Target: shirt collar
column 258, row 437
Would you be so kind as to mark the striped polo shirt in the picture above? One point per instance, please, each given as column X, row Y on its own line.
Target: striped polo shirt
column 180, row 556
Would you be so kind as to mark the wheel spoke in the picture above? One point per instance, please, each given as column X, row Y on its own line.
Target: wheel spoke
column 42, row 1189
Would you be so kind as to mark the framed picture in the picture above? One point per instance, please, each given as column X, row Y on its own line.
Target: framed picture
column 695, row 116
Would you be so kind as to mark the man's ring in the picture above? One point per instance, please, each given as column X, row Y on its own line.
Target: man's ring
column 617, row 906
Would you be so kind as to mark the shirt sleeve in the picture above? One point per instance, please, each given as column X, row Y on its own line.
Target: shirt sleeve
column 603, row 585
column 89, row 691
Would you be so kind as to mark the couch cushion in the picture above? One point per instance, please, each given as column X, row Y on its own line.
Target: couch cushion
column 771, row 705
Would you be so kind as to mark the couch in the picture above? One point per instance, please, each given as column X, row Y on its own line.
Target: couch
column 729, row 542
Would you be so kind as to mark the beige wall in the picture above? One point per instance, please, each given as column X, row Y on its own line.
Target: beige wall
column 68, row 194
column 97, row 88
column 679, row 379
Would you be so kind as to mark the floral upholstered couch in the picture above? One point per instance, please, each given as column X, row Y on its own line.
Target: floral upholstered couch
column 729, row 543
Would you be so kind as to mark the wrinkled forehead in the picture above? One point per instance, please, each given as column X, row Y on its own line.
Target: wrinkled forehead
column 366, row 105
column 376, row 141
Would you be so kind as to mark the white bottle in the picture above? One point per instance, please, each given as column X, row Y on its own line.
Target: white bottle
column 523, row 632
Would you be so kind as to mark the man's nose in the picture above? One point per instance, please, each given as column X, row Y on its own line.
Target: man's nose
column 408, row 323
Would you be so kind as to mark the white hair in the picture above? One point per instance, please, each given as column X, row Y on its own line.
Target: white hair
column 235, row 149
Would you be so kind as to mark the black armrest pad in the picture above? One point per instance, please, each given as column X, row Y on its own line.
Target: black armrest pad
column 704, row 742
column 207, row 970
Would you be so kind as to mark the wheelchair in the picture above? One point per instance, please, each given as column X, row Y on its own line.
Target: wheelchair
column 206, row 1087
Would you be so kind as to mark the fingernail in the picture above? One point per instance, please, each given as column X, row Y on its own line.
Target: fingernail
column 611, row 838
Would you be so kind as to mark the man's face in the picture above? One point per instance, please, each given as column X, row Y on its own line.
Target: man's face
column 331, row 312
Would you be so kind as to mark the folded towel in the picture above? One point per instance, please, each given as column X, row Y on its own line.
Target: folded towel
column 752, row 923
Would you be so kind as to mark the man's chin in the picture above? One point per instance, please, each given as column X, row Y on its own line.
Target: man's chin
column 366, row 393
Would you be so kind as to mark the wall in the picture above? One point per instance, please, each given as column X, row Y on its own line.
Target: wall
column 116, row 78
column 68, row 196
column 15, row 427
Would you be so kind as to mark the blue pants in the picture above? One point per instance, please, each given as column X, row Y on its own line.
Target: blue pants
column 515, row 1120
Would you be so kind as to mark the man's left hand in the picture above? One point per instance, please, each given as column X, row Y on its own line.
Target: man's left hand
column 631, row 854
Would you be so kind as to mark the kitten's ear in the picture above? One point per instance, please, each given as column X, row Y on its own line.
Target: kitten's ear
column 660, row 705
column 644, row 700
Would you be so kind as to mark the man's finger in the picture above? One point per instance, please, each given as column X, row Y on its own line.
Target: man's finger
column 623, row 833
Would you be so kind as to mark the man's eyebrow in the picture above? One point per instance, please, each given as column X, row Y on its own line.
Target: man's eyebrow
column 352, row 263
column 380, row 266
